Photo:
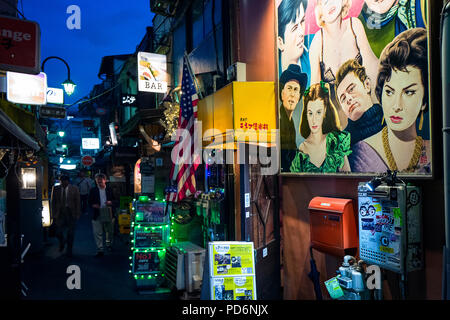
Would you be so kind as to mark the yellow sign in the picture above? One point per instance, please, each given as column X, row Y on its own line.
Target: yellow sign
column 230, row 259
column 239, row 112
column 233, row 288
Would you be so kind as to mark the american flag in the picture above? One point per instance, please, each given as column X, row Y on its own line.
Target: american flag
column 183, row 171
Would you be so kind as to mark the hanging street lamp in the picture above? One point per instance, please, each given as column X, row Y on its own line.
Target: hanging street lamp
column 69, row 85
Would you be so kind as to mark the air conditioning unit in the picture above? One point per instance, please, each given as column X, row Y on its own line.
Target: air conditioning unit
column 184, row 266
column 165, row 8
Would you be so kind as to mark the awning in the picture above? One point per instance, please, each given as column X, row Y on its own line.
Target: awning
column 16, row 131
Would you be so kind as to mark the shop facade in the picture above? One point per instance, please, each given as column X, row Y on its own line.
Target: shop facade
column 247, row 32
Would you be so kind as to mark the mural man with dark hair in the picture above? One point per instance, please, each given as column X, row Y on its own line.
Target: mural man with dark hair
column 353, row 91
column 292, row 85
column 292, row 42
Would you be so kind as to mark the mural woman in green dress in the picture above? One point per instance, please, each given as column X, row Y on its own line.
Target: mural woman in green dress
column 326, row 147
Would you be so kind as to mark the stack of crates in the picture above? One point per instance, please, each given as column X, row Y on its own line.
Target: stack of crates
column 124, row 222
column 124, row 218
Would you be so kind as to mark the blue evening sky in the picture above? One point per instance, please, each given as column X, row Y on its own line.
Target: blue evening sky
column 107, row 28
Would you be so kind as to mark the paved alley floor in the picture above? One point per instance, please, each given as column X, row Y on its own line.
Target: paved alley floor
column 105, row 278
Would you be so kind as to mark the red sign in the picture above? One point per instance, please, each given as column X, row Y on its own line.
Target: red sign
column 20, row 45
column 87, row 161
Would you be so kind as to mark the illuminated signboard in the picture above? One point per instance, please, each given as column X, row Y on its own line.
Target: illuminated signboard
column 146, row 262
column 25, row 88
column 20, row 48
column 152, row 72
column 129, row 100
column 150, row 236
column 55, row 95
column 151, row 212
column 90, row 143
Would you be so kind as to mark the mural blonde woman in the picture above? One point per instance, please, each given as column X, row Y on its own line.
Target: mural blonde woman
column 338, row 41
column 325, row 148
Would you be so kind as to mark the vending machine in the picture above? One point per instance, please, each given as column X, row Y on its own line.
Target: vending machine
column 390, row 220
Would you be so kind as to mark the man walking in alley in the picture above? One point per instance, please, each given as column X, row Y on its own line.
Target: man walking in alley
column 85, row 184
column 101, row 201
column 66, row 211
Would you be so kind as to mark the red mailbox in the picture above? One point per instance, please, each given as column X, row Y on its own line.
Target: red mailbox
column 334, row 226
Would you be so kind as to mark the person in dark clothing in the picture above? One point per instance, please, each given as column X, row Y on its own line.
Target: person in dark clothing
column 292, row 85
column 66, row 212
column 101, row 200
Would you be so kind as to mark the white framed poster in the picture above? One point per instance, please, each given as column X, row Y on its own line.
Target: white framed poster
column 353, row 79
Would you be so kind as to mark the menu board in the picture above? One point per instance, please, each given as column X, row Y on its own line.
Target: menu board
column 233, row 288
column 145, row 262
column 232, row 270
column 145, row 237
column 151, row 211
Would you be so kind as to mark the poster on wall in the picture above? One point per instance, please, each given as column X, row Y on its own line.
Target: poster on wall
column 353, row 80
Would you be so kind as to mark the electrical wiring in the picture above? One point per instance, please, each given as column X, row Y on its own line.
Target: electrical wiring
column 93, row 98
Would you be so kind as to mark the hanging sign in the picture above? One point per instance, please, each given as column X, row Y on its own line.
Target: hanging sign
column 90, row 143
column 53, row 112
column 55, row 95
column 152, row 72
column 25, row 88
column 20, row 49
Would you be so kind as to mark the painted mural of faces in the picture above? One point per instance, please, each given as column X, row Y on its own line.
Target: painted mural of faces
column 290, row 95
column 354, row 96
column 402, row 98
column 380, row 6
column 331, row 10
column 315, row 115
column 292, row 43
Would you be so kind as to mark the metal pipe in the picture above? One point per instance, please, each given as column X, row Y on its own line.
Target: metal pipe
column 445, row 70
